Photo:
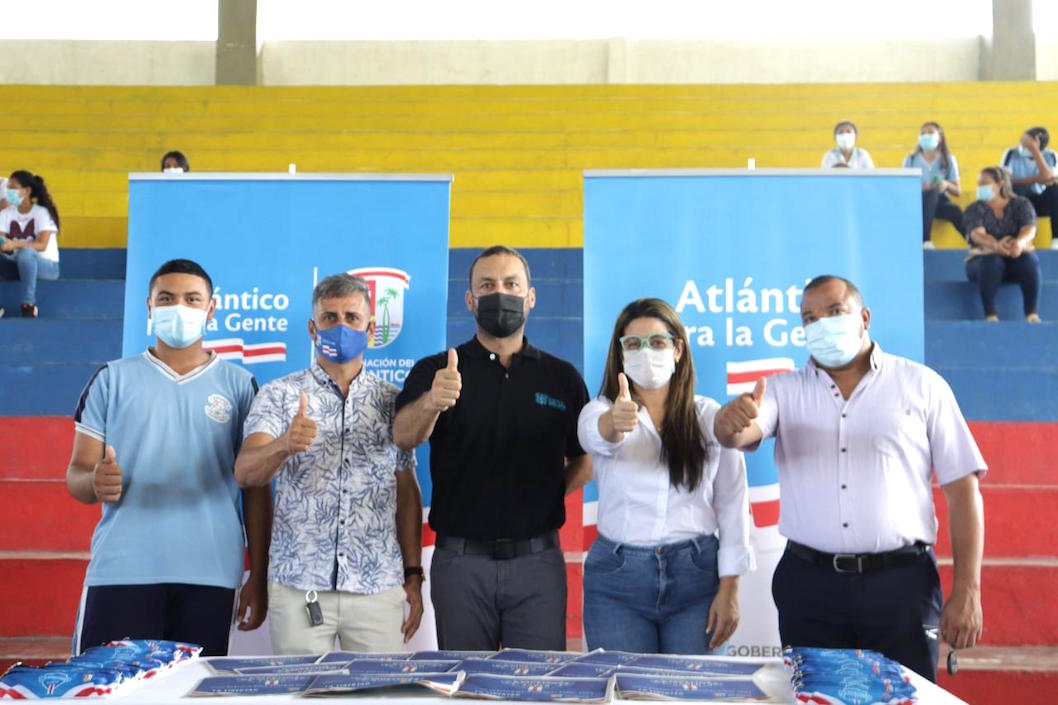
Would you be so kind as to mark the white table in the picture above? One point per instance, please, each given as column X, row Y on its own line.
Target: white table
column 172, row 688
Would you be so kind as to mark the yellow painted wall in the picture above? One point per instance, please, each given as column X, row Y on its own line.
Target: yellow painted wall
column 517, row 152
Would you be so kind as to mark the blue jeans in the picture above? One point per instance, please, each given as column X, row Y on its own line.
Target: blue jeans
column 990, row 271
column 650, row 599
column 27, row 265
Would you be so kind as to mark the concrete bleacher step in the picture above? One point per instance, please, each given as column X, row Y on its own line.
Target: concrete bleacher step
column 1016, row 597
column 1035, row 507
column 47, row 341
column 68, row 299
column 35, row 447
column 42, row 516
column 980, row 344
column 92, row 263
column 1018, row 453
column 1002, row 675
column 43, row 390
column 999, row 394
column 961, row 301
column 33, row 650
column 44, row 598
column 950, row 265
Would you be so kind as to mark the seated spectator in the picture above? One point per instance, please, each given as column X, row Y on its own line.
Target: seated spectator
column 940, row 179
column 1033, row 167
column 29, row 232
column 1000, row 226
column 847, row 153
column 175, row 162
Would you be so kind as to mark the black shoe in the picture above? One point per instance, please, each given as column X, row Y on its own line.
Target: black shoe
column 29, row 311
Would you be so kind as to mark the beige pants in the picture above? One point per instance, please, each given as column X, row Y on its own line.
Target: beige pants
column 361, row 622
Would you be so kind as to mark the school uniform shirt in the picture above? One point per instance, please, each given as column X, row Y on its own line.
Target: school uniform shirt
column 175, row 438
column 860, row 159
column 335, row 525
column 854, row 475
column 29, row 226
column 933, row 171
column 638, row 504
column 1023, row 167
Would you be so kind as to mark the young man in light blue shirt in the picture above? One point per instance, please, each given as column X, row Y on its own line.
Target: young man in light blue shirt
column 156, row 440
column 1033, row 169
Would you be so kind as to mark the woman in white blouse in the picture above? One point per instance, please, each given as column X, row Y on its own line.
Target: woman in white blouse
column 673, row 511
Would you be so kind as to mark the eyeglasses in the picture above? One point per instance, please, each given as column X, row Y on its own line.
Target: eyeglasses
column 658, row 341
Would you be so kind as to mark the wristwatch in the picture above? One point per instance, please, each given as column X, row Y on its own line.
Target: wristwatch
column 414, row 570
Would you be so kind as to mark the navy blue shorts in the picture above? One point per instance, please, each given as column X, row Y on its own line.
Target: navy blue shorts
column 199, row 614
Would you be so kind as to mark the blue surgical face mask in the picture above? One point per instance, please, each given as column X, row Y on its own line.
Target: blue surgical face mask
column 13, row 197
column 178, row 326
column 929, row 141
column 341, row 343
column 835, row 340
column 1024, row 151
column 986, row 192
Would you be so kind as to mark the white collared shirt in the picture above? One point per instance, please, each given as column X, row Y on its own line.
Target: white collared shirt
column 639, row 506
column 854, row 475
column 859, row 159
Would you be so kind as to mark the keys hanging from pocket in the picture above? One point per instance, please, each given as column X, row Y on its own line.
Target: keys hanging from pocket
column 313, row 608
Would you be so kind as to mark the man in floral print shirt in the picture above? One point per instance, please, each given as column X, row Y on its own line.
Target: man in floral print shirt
column 346, row 543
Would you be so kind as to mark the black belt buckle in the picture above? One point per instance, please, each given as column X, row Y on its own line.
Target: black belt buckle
column 841, row 559
column 503, row 549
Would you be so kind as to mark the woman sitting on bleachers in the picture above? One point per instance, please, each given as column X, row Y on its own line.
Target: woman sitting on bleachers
column 29, row 230
column 940, row 179
column 1000, row 226
column 847, row 153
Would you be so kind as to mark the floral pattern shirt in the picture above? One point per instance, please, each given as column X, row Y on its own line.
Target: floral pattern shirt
column 335, row 525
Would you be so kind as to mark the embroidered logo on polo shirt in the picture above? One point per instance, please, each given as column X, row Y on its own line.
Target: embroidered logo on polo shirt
column 218, row 408
column 544, row 400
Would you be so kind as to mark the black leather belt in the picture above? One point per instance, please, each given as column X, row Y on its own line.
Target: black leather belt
column 859, row 562
column 498, row 549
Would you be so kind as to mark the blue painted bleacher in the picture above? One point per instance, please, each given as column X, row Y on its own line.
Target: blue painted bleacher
column 1005, row 371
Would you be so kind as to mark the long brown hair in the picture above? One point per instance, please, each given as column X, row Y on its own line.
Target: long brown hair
column 683, row 445
column 942, row 145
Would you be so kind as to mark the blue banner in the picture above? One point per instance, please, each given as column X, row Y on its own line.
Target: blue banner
column 732, row 251
column 266, row 239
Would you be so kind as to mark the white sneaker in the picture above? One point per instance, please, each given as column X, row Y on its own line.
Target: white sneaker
column 928, row 245
column 1054, row 243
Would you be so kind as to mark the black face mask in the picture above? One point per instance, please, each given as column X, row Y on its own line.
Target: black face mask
column 500, row 315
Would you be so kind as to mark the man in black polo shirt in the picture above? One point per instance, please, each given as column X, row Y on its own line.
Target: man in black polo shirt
column 501, row 417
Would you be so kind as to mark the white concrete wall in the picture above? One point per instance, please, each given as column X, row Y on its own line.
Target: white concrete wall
column 1046, row 58
column 616, row 61
column 107, row 63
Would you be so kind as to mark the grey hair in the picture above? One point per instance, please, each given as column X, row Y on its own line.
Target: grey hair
column 339, row 286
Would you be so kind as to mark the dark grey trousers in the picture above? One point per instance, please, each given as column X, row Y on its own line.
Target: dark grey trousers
column 481, row 603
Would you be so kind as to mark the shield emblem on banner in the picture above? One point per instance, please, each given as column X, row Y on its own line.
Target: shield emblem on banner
column 387, row 301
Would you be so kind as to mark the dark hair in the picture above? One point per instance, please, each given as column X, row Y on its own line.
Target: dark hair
column 945, row 155
column 38, row 192
column 181, row 160
column 843, row 123
column 181, row 266
column 683, row 445
column 1041, row 134
column 1001, row 177
column 824, row 279
column 494, row 251
column 339, row 286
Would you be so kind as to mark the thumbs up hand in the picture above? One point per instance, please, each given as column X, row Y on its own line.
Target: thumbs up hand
column 302, row 431
column 625, row 412
column 106, row 477
column 447, row 383
column 738, row 415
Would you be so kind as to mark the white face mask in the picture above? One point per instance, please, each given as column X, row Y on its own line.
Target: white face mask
column 172, row 170
column 650, row 369
column 835, row 340
column 845, row 140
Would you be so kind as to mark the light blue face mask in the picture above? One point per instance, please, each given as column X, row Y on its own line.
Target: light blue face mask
column 13, row 197
column 178, row 326
column 1024, row 151
column 929, row 141
column 986, row 192
column 835, row 340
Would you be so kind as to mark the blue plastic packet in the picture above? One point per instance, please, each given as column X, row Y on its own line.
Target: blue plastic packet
column 58, row 680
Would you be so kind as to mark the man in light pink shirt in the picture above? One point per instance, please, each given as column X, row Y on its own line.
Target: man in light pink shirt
column 859, row 433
